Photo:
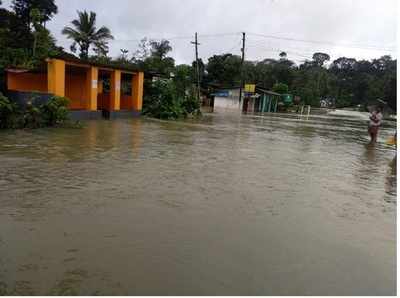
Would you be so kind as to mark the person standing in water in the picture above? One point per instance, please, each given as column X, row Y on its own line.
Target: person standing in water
column 375, row 123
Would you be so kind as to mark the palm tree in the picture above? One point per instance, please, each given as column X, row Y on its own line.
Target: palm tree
column 86, row 34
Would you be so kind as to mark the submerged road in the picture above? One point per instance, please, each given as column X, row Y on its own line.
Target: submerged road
column 225, row 205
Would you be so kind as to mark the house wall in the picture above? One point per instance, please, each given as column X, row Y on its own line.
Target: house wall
column 56, row 77
column 126, row 102
column 229, row 103
column 226, row 103
column 29, row 82
column 103, row 101
column 75, row 90
column 137, row 91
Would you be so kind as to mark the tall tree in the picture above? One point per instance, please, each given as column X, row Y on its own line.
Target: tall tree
column 390, row 93
column 184, row 78
column 23, row 9
column 160, row 49
column 85, row 34
column 158, row 60
column 44, row 43
column 283, row 55
column 320, row 58
column 224, row 69
column 142, row 52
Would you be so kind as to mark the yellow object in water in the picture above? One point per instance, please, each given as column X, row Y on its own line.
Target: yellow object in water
column 391, row 141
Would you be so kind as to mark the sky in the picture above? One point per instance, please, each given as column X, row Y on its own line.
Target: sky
column 362, row 29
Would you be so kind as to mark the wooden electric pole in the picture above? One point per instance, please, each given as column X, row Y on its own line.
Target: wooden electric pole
column 241, row 67
column 197, row 66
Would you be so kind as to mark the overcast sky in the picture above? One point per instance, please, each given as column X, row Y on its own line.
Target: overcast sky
column 353, row 28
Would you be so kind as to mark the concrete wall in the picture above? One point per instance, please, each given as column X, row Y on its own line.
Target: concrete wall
column 229, row 103
column 103, row 101
column 76, row 91
column 23, row 97
column 137, row 91
column 126, row 102
column 28, row 82
column 56, row 77
column 226, row 103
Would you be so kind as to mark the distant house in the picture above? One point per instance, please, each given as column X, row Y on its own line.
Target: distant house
column 227, row 99
column 268, row 101
column 261, row 100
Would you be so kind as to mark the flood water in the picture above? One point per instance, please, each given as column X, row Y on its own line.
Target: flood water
column 224, row 205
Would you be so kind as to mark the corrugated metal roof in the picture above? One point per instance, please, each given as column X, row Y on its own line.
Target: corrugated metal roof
column 261, row 90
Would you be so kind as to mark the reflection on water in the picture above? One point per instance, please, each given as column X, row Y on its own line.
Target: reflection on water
column 224, row 205
column 391, row 182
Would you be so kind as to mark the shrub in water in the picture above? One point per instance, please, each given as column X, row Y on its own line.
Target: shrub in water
column 165, row 102
column 10, row 116
column 52, row 113
column 55, row 111
column 32, row 117
column 191, row 105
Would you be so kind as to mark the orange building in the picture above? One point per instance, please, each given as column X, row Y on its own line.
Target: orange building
column 94, row 89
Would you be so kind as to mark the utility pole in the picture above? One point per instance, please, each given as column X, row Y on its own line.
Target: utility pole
column 241, row 67
column 197, row 66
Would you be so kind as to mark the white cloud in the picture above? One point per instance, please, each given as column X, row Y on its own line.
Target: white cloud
column 350, row 22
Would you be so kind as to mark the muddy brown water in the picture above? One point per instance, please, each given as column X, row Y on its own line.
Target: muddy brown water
column 224, row 205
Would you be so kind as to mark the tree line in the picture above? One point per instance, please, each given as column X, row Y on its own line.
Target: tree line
column 25, row 41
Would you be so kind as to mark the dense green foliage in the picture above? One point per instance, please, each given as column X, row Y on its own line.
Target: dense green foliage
column 55, row 111
column 23, row 9
column 164, row 100
column 52, row 113
column 9, row 113
column 281, row 88
column 152, row 56
column 174, row 96
column 24, row 40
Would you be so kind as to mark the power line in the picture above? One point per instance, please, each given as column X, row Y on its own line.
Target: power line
column 160, row 38
column 365, row 47
column 237, row 43
column 303, row 55
column 219, row 34
column 263, row 44
column 180, row 37
column 294, row 51
column 286, row 49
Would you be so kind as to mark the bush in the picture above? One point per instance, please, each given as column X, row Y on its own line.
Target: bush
column 163, row 101
column 9, row 113
column 52, row 113
column 32, row 117
column 191, row 105
column 281, row 88
column 55, row 111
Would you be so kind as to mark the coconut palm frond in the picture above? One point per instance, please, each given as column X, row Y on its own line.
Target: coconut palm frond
column 103, row 33
column 85, row 32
